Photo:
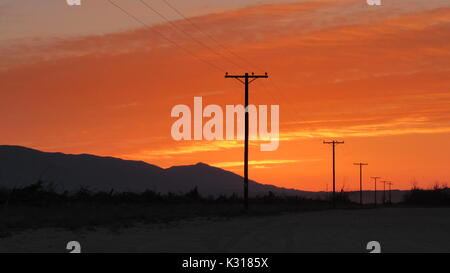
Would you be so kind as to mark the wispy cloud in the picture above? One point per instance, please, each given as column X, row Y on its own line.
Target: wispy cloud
column 261, row 163
column 401, row 126
column 188, row 148
column 124, row 105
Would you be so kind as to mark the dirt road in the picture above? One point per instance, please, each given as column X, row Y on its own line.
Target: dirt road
column 397, row 230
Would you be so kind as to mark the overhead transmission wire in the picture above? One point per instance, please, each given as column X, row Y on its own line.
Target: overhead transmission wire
column 222, row 45
column 187, row 51
column 189, row 35
column 148, row 6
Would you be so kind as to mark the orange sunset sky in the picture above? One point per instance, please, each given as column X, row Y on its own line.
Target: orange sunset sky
column 90, row 79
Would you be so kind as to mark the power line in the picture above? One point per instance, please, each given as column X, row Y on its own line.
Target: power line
column 188, row 35
column 222, row 45
column 189, row 52
column 200, row 42
column 165, row 37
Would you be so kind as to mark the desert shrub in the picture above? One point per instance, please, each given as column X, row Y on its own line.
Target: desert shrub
column 39, row 205
column 439, row 195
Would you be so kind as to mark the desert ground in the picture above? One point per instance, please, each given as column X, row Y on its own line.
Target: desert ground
column 396, row 229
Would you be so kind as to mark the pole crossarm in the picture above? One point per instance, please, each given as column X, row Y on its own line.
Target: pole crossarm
column 250, row 76
column 333, row 142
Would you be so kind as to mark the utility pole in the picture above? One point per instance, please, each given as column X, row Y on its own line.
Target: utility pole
column 390, row 196
column 375, row 178
column 360, row 180
column 246, row 81
column 384, row 190
column 334, row 143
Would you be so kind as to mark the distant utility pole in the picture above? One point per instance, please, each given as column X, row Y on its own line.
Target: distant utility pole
column 390, row 199
column 360, row 179
column 384, row 190
column 334, row 143
column 246, row 82
column 375, row 178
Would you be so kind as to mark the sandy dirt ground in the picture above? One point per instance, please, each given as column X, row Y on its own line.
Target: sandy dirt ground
column 397, row 230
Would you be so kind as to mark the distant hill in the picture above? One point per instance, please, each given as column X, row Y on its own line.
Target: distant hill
column 21, row 166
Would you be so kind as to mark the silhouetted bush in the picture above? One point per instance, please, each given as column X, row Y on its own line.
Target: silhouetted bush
column 343, row 198
column 193, row 194
column 39, row 205
column 438, row 196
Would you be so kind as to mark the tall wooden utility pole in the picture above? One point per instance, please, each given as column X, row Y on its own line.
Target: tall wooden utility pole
column 360, row 180
column 384, row 190
column 375, row 178
column 246, row 82
column 390, row 196
column 334, row 143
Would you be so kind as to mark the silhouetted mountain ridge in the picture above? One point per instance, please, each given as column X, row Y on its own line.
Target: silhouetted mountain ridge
column 21, row 166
